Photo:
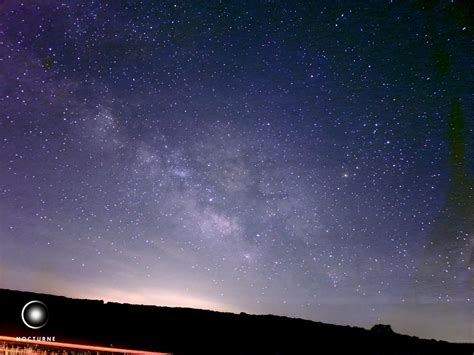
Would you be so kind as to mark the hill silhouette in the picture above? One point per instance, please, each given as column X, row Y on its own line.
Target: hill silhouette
column 194, row 331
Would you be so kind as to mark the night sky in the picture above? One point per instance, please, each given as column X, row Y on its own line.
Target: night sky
column 310, row 159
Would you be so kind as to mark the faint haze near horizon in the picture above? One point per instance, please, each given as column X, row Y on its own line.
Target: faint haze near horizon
column 310, row 160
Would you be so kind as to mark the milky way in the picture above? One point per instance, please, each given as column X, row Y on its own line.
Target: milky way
column 264, row 157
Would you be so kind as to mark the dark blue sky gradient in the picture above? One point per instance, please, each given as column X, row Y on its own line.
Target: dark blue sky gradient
column 267, row 157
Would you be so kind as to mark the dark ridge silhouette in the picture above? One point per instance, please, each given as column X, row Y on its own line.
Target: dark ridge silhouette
column 194, row 331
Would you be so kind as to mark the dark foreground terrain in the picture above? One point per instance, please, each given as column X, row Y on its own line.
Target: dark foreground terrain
column 192, row 331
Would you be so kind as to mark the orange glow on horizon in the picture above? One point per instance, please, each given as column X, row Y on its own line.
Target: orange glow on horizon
column 79, row 346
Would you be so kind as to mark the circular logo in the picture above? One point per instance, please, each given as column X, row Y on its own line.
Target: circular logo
column 35, row 314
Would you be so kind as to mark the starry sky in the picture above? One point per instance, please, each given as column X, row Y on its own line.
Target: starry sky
column 307, row 159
